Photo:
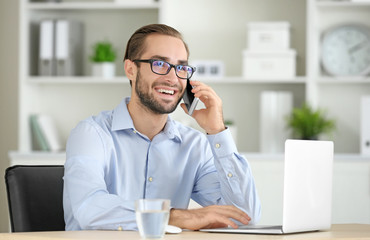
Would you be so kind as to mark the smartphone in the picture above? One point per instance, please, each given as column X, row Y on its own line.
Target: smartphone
column 189, row 99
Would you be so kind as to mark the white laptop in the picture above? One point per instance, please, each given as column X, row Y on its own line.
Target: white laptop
column 308, row 168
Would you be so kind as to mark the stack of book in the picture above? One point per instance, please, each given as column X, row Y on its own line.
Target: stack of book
column 45, row 136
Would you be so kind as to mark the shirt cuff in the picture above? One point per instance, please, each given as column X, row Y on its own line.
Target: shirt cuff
column 222, row 143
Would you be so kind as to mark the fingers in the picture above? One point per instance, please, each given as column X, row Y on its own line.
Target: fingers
column 232, row 212
column 208, row 217
column 204, row 92
column 183, row 106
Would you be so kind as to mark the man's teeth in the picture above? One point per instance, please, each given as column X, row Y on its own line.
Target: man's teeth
column 166, row 91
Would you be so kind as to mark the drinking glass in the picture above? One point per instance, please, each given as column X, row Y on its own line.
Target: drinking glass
column 152, row 217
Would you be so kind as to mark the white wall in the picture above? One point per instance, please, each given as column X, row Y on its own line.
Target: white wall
column 8, row 94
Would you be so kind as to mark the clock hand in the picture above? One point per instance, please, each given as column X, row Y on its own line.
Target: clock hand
column 357, row 47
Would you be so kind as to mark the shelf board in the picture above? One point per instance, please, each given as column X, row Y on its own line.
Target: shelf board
column 37, row 158
column 344, row 80
column 241, row 80
column 93, row 5
column 342, row 3
column 78, row 80
column 124, row 80
column 59, row 157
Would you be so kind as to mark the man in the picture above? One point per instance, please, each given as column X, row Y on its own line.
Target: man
column 137, row 151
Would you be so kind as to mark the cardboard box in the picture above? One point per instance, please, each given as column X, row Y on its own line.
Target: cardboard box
column 268, row 36
column 275, row 65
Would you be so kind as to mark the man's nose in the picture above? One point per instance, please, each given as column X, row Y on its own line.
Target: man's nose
column 171, row 76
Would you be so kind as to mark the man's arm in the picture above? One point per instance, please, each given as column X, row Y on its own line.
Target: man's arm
column 87, row 202
column 232, row 183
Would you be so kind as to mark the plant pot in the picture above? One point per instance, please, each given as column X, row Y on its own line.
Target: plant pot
column 104, row 69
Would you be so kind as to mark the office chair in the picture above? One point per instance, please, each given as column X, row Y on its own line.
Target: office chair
column 35, row 198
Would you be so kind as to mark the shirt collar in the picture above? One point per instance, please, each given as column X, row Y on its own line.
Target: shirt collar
column 122, row 121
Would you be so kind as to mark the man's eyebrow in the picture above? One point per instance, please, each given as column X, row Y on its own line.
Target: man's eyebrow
column 182, row 62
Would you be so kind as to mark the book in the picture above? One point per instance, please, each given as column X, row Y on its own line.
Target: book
column 45, row 134
column 38, row 140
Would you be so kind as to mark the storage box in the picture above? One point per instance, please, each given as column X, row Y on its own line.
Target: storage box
column 269, row 65
column 268, row 36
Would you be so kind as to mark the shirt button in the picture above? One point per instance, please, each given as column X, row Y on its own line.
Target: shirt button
column 134, row 131
column 150, row 179
column 218, row 145
column 229, row 175
column 119, row 228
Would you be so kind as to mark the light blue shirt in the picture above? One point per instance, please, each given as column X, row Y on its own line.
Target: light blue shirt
column 110, row 165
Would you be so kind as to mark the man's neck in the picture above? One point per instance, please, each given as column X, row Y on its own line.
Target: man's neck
column 145, row 121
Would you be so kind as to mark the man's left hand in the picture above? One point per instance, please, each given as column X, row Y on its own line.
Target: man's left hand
column 209, row 118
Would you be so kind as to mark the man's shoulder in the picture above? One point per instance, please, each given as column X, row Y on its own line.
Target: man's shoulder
column 187, row 131
column 102, row 121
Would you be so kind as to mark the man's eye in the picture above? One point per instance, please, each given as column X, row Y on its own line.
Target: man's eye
column 158, row 63
column 180, row 68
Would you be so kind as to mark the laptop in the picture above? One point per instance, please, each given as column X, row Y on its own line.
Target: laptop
column 307, row 197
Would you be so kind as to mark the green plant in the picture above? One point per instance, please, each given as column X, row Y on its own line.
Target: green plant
column 103, row 52
column 308, row 123
column 229, row 122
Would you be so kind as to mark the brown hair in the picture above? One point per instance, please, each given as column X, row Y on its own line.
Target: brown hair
column 135, row 45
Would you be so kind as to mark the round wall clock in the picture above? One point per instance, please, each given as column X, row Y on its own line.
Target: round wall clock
column 345, row 50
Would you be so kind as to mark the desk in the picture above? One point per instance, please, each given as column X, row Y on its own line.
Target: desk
column 338, row 231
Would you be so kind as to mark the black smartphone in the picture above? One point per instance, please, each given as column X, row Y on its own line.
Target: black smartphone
column 189, row 99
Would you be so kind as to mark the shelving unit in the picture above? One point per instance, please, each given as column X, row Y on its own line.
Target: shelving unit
column 71, row 99
column 209, row 36
column 340, row 96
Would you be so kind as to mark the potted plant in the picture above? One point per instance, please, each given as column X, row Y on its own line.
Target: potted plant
column 103, row 60
column 307, row 123
column 233, row 129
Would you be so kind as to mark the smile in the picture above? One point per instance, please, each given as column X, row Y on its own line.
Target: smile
column 166, row 91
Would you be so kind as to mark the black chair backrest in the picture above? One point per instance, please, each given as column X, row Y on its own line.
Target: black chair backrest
column 35, row 198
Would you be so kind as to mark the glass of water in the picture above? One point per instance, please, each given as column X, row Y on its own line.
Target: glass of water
column 152, row 217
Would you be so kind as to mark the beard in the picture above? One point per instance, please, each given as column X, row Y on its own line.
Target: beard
column 148, row 100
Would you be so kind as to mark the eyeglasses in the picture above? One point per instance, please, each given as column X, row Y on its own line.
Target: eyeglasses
column 161, row 67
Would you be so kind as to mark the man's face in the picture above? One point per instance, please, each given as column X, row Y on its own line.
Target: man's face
column 160, row 93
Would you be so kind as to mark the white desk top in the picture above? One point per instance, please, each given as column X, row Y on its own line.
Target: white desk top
column 339, row 231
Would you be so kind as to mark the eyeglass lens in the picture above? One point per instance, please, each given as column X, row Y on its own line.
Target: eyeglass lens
column 162, row 67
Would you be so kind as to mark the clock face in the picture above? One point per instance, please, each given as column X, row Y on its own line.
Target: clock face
column 346, row 51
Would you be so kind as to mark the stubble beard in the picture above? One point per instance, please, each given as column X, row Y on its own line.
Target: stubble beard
column 148, row 100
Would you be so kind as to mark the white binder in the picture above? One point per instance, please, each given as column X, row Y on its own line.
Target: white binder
column 46, row 48
column 365, row 125
column 275, row 106
column 69, row 37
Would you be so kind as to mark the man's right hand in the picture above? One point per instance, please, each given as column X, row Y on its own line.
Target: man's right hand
column 215, row 216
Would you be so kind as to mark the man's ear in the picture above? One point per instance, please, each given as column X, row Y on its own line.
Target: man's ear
column 130, row 69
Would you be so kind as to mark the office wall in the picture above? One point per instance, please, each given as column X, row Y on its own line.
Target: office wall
column 8, row 94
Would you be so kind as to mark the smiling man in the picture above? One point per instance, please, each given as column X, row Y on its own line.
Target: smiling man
column 137, row 151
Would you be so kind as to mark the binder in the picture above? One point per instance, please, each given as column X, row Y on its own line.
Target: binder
column 365, row 125
column 69, row 36
column 46, row 48
column 275, row 106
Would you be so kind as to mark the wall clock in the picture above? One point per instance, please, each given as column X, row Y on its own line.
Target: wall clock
column 345, row 50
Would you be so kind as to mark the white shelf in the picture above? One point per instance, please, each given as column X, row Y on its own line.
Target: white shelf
column 241, row 80
column 59, row 157
column 344, row 80
column 78, row 80
column 342, row 4
column 37, row 158
column 92, row 5
column 124, row 80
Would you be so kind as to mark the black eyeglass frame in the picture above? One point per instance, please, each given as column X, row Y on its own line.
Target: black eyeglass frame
column 168, row 70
